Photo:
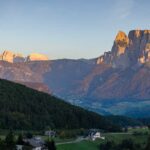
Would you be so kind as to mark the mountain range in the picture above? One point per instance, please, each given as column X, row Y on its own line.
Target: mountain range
column 115, row 83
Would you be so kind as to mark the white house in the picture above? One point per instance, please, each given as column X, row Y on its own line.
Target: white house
column 93, row 135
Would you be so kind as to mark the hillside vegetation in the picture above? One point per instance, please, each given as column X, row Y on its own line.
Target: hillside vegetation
column 25, row 108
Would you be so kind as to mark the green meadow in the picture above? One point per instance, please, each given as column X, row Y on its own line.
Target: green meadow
column 94, row 145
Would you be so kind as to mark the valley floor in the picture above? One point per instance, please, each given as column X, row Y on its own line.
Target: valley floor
column 138, row 136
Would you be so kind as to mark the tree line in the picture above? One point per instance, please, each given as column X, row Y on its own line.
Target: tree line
column 126, row 144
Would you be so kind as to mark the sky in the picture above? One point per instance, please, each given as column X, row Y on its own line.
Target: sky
column 68, row 28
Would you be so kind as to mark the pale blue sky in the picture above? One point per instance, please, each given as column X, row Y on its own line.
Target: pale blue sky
column 68, row 28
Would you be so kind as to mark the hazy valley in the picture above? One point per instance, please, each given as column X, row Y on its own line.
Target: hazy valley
column 117, row 82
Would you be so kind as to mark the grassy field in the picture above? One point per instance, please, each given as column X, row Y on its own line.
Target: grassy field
column 84, row 145
column 141, row 130
column 93, row 145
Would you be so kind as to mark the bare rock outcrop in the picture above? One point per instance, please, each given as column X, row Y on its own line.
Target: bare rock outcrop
column 37, row 57
column 18, row 58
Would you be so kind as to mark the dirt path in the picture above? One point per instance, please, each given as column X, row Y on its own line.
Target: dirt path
column 79, row 139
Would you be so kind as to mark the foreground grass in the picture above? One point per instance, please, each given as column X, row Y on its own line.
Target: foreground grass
column 84, row 145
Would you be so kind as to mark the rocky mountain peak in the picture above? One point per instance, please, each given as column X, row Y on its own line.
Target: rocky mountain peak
column 121, row 36
column 120, row 44
column 12, row 57
column 7, row 56
column 135, row 33
column 146, row 31
column 128, row 50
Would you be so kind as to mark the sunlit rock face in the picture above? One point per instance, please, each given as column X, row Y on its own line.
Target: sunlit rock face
column 120, row 44
column 17, row 57
column 7, row 56
column 119, row 57
column 37, row 57
column 11, row 57
column 128, row 50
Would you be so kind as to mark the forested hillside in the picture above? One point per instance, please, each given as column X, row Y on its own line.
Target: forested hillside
column 25, row 108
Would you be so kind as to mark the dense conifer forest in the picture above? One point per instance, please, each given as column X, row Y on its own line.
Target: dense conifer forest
column 27, row 109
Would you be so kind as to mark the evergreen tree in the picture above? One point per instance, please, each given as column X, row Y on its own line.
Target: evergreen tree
column 10, row 141
column 127, row 144
column 29, row 135
column 20, row 140
column 107, row 146
column 148, row 144
column 2, row 144
column 51, row 145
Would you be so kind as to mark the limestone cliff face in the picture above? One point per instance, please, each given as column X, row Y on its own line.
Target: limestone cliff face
column 139, row 46
column 36, row 57
column 130, row 50
column 106, row 58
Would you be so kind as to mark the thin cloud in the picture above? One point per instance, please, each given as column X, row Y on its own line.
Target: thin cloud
column 123, row 8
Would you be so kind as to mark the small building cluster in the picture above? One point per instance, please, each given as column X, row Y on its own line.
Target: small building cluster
column 35, row 143
column 50, row 133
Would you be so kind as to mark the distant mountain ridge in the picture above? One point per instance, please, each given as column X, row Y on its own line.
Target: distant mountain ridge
column 11, row 57
column 117, row 82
